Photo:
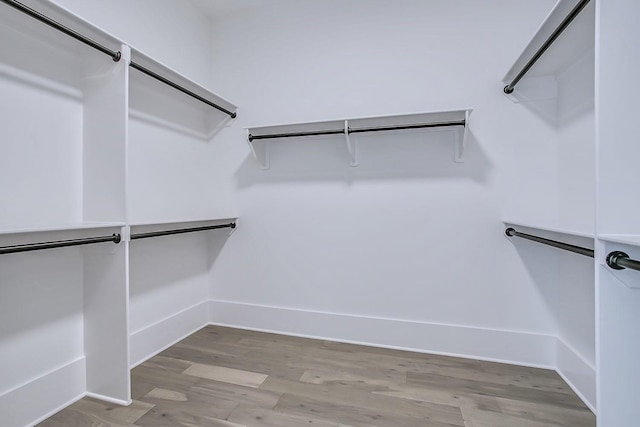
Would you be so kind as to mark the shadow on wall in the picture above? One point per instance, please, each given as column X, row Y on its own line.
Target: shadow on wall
column 560, row 100
column 170, row 260
column 40, row 288
column 544, row 264
column 399, row 155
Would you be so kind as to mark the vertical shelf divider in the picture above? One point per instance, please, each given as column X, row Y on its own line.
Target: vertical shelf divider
column 106, row 294
column 260, row 151
column 461, row 140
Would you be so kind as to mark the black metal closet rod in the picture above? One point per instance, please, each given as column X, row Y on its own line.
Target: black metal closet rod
column 619, row 261
column 560, row 245
column 552, row 38
column 176, row 86
column 294, row 134
column 356, row 130
column 180, row 231
column 58, row 26
column 115, row 238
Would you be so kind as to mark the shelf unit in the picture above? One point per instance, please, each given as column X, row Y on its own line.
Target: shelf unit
column 559, row 88
column 353, row 129
column 67, row 165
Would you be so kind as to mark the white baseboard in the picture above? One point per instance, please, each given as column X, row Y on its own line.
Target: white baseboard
column 151, row 340
column 108, row 399
column 519, row 348
column 577, row 372
column 47, row 394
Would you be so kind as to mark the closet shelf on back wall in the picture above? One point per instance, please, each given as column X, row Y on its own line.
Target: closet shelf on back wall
column 455, row 121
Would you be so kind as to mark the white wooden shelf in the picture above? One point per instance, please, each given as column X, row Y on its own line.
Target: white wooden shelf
column 573, row 47
column 27, row 44
column 157, row 103
column 62, row 227
column 172, row 225
column 351, row 129
column 551, row 228
column 566, row 239
column 626, row 239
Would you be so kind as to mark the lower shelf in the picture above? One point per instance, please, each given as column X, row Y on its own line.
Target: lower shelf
column 627, row 239
column 551, row 228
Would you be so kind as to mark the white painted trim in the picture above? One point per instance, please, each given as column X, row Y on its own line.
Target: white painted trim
column 46, row 394
column 577, row 372
column 158, row 336
column 108, row 399
column 513, row 347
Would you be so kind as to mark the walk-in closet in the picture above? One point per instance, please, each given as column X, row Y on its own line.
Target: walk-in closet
column 336, row 212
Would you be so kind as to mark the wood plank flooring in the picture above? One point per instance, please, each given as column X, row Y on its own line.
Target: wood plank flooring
column 222, row 377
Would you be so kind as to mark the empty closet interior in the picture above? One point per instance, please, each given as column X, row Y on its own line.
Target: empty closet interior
column 419, row 175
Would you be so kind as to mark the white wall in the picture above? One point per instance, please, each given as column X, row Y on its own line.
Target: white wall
column 172, row 32
column 409, row 234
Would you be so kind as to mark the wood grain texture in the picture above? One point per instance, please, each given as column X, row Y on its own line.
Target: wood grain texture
column 223, row 377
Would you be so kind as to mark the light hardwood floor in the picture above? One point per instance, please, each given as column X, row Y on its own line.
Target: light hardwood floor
column 222, row 377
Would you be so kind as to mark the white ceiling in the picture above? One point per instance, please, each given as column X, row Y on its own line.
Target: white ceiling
column 221, row 8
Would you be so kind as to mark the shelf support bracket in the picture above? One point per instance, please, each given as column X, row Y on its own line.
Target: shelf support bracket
column 352, row 146
column 260, row 151
column 461, row 139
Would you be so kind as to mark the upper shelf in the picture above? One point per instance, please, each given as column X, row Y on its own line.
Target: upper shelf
column 165, row 97
column 569, row 33
column 456, row 120
column 64, row 50
column 43, row 56
column 569, row 46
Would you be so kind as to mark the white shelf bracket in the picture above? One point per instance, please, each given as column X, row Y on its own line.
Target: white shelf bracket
column 461, row 139
column 352, row 146
column 260, row 151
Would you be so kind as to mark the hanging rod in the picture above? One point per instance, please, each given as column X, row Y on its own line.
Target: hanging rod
column 560, row 245
column 403, row 127
column 619, row 260
column 552, row 38
column 115, row 238
column 66, row 30
column 180, row 231
column 294, row 134
column 184, row 90
column 356, row 130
